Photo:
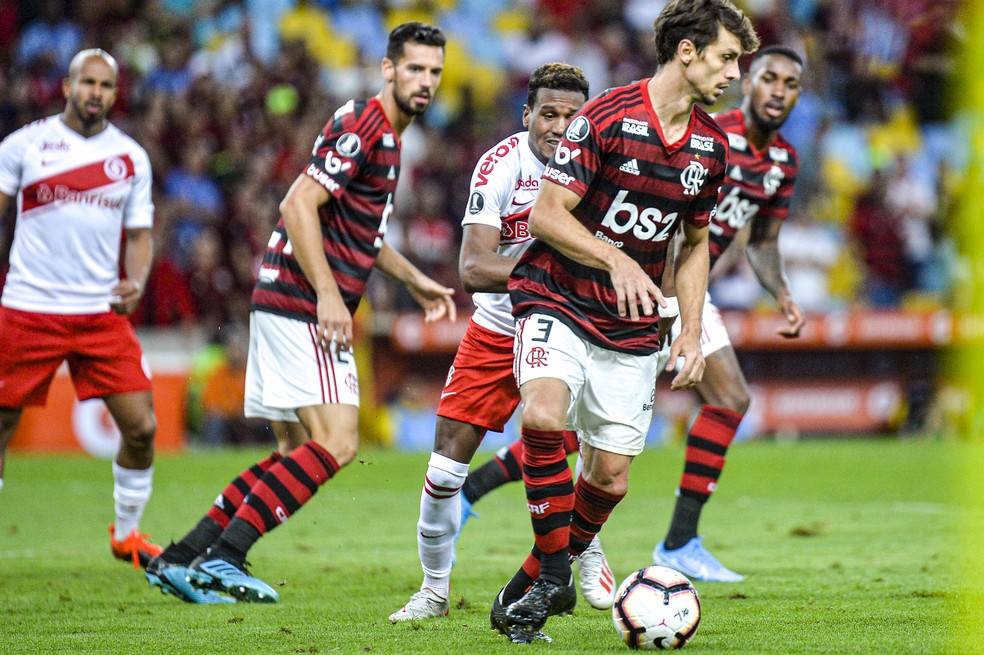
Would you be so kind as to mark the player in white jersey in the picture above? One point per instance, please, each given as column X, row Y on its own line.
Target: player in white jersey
column 480, row 393
column 80, row 183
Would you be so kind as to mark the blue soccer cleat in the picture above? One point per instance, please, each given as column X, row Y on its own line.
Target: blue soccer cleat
column 171, row 578
column 466, row 513
column 695, row 562
column 208, row 572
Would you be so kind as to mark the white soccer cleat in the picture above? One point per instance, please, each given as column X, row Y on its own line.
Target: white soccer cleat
column 596, row 577
column 424, row 604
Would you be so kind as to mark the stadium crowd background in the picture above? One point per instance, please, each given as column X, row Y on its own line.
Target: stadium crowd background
column 227, row 95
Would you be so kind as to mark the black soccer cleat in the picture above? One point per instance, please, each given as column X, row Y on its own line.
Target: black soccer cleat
column 544, row 599
column 517, row 634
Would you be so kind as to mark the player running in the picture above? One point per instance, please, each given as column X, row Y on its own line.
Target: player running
column 762, row 170
column 638, row 162
column 480, row 393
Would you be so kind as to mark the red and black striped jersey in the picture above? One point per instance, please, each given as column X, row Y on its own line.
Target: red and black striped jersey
column 635, row 191
column 357, row 159
column 757, row 183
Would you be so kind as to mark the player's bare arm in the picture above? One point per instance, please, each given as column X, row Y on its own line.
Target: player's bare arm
column 139, row 254
column 552, row 221
column 299, row 209
column 481, row 267
column 766, row 261
column 690, row 278
column 435, row 298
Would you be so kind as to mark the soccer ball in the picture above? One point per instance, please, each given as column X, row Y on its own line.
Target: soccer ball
column 656, row 608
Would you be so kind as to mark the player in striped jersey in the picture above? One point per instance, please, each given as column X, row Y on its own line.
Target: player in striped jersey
column 762, row 170
column 79, row 184
column 480, row 393
column 301, row 373
column 636, row 164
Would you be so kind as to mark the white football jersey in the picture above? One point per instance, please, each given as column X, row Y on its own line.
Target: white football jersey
column 75, row 195
column 503, row 187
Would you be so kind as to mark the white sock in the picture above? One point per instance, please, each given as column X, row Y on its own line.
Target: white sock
column 1, row 484
column 440, row 519
column 131, row 491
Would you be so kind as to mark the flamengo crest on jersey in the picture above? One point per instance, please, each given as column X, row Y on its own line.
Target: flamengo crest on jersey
column 504, row 185
column 758, row 184
column 356, row 158
column 75, row 196
column 635, row 191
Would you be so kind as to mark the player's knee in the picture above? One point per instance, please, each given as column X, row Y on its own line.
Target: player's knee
column 343, row 448
column 738, row 400
column 541, row 416
column 140, row 434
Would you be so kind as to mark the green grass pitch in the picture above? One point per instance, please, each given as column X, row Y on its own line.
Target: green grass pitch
column 849, row 546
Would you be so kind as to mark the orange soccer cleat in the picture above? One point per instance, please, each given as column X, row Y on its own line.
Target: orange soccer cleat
column 136, row 548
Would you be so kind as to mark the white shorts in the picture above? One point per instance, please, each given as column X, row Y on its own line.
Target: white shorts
column 612, row 393
column 287, row 369
column 713, row 334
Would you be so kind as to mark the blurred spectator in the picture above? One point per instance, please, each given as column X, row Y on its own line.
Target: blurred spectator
column 223, row 394
column 218, row 99
column 878, row 236
column 194, row 198
column 51, row 40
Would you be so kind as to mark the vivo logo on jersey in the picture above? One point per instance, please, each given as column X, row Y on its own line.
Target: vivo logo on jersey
column 529, row 184
column 645, row 224
column 488, row 164
column 734, row 211
column 322, row 178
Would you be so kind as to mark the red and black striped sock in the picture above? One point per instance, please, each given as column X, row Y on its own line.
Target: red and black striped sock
column 550, row 497
column 707, row 445
column 211, row 525
column 592, row 507
column 523, row 579
column 278, row 494
column 504, row 467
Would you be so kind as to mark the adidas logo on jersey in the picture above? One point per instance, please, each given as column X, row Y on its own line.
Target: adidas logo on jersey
column 736, row 174
column 631, row 167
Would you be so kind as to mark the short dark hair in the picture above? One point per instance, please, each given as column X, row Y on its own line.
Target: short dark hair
column 698, row 20
column 782, row 50
column 559, row 77
column 413, row 31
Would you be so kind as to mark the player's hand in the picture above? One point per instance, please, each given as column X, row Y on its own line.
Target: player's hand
column 334, row 323
column 795, row 317
column 125, row 296
column 633, row 288
column 436, row 299
column 692, row 372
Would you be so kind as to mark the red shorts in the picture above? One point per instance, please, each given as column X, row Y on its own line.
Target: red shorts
column 481, row 388
column 103, row 354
